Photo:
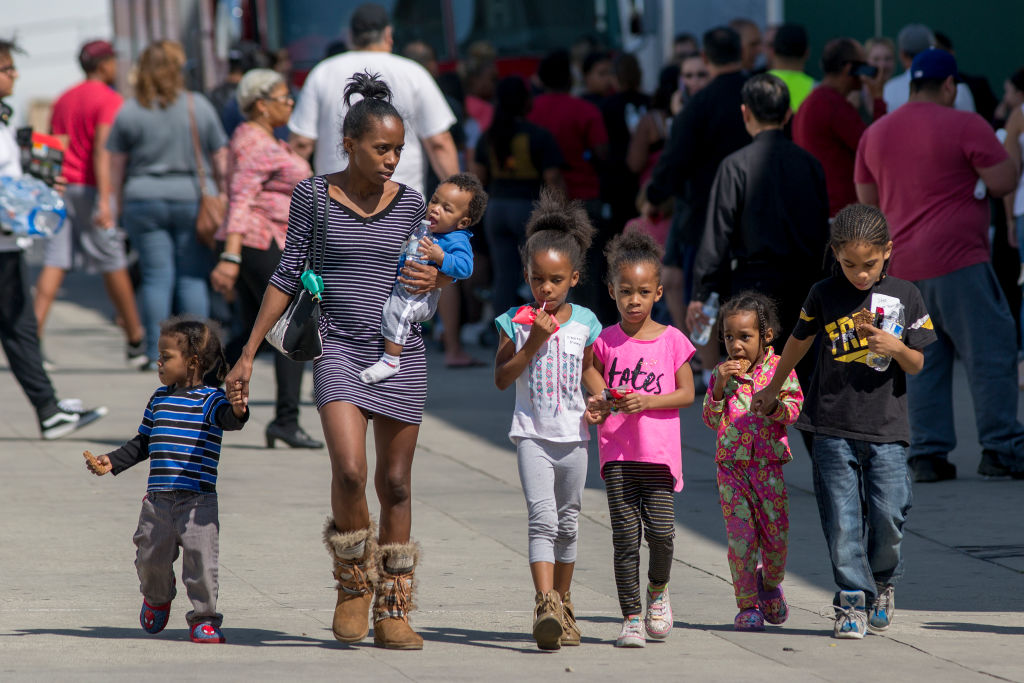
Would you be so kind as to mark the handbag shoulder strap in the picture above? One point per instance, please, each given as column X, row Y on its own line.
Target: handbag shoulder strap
column 315, row 256
column 196, row 149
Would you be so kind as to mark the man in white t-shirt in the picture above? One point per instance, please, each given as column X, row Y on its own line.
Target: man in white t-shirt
column 912, row 40
column 316, row 120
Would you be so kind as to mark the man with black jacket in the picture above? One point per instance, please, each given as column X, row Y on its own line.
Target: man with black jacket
column 708, row 129
column 767, row 213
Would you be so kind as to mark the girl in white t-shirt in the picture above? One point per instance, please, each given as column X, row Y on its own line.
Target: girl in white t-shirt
column 544, row 349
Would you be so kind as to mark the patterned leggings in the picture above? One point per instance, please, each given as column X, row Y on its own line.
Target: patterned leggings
column 756, row 508
column 639, row 493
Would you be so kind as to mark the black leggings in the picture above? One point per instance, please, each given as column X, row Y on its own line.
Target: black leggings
column 639, row 493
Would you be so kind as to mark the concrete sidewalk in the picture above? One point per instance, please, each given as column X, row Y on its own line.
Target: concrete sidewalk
column 69, row 600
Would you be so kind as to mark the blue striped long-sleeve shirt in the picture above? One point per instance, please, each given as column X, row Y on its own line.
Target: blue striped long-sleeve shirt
column 180, row 434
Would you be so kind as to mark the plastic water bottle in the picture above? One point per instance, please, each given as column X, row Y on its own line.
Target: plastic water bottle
column 30, row 208
column 893, row 322
column 412, row 245
column 703, row 333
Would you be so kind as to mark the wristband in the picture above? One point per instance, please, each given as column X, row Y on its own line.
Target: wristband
column 231, row 258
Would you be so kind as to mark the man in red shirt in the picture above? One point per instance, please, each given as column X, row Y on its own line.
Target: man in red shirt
column 828, row 126
column 921, row 165
column 578, row 128
column 83, row 116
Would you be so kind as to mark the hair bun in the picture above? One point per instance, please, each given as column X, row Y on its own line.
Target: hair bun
column 554, row 212
column 368, row 86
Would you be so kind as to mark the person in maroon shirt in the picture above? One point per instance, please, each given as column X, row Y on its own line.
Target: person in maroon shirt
column 829, row 127
column 579, row 130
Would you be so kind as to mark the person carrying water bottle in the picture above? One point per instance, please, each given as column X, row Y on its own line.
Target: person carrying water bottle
column 19, row 333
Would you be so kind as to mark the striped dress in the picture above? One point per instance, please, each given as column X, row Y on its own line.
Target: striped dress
column 359, row 269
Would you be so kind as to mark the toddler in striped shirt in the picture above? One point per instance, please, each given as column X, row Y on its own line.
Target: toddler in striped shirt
column 181, row 434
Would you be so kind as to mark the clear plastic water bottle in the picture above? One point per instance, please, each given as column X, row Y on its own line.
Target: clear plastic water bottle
column 412, row 245
column 893, row 322
column 702, row 334
column 29, row 207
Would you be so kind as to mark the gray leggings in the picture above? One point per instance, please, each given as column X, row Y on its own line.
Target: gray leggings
column 553, row 475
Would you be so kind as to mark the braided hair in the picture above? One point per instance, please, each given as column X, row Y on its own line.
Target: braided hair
column 763, row 308
column 558, row 225
column 200, row 340
column 859, row 223
column 375, row 103
column 632, row 247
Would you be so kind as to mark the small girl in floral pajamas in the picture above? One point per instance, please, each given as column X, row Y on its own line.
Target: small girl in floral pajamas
column 750, row 453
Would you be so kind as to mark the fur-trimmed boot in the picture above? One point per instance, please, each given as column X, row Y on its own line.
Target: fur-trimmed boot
column 394, row 597
column 355, row 568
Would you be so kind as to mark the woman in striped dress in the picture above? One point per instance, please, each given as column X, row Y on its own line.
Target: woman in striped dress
column 368, row 217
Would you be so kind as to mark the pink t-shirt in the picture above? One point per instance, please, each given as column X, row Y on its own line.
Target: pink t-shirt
column 649, row 367
column 77, row 113
column 922, row 159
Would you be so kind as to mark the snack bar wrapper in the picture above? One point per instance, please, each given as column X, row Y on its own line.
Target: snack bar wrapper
column 526, row 314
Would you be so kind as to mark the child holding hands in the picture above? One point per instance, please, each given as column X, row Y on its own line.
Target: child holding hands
column 858, row 414
column 181, row 434
column 545, row 350
column 645, row 364
column 750, row 452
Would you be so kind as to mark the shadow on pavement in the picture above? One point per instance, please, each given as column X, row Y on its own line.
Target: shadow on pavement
column 233, row 636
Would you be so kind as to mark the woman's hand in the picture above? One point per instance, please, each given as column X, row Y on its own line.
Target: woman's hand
column 223, row 277
column 419, row 278
column 765, row 401
column 236, row 384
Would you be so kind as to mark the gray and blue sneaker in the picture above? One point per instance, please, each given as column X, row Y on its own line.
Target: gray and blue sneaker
column 882, row 612
column 851, row 617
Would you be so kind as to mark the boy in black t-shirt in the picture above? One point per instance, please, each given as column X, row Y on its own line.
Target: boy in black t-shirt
column 856, row 407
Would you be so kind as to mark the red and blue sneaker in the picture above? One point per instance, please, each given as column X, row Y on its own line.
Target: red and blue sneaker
column 154, row 617
column 205, row 632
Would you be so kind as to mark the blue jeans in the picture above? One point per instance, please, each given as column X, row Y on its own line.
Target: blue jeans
column 973, row 323
column 863, row 493
column 174, row 265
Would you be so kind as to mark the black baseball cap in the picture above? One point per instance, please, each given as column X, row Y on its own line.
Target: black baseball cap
column 367, row 18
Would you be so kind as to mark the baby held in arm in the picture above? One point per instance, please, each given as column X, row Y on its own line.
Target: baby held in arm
column 457, row 204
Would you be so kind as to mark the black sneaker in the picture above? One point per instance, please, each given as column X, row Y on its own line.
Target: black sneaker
column 69, row 418
column 990, row 467
column 136, row 354
column 927, row 469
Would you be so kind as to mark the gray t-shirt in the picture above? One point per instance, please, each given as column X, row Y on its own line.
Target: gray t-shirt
column 158, row 142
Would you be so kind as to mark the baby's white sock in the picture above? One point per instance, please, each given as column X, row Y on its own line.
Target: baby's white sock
column 381, row 370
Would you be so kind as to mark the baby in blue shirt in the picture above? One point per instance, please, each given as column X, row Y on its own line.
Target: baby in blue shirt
column 458, row 203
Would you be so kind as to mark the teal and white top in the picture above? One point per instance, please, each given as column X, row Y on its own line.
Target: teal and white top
column 549, row 393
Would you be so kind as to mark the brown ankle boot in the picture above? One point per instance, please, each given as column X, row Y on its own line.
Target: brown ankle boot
column 394, row 597
column 547, row 620
column 570, row 631
column 356, row 576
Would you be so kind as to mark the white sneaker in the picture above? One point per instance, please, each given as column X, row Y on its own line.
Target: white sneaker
column 658, row 620
column 632, row 633
column 850, row 615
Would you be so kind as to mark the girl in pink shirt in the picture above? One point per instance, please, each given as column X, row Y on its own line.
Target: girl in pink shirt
column 645, row 366
column 750, row 453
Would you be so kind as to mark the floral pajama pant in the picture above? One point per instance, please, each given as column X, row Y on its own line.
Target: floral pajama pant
column 756, row 509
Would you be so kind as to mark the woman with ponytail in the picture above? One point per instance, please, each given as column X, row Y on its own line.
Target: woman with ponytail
column 365, row 218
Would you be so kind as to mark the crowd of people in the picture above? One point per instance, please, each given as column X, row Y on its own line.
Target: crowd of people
column 845, row 221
